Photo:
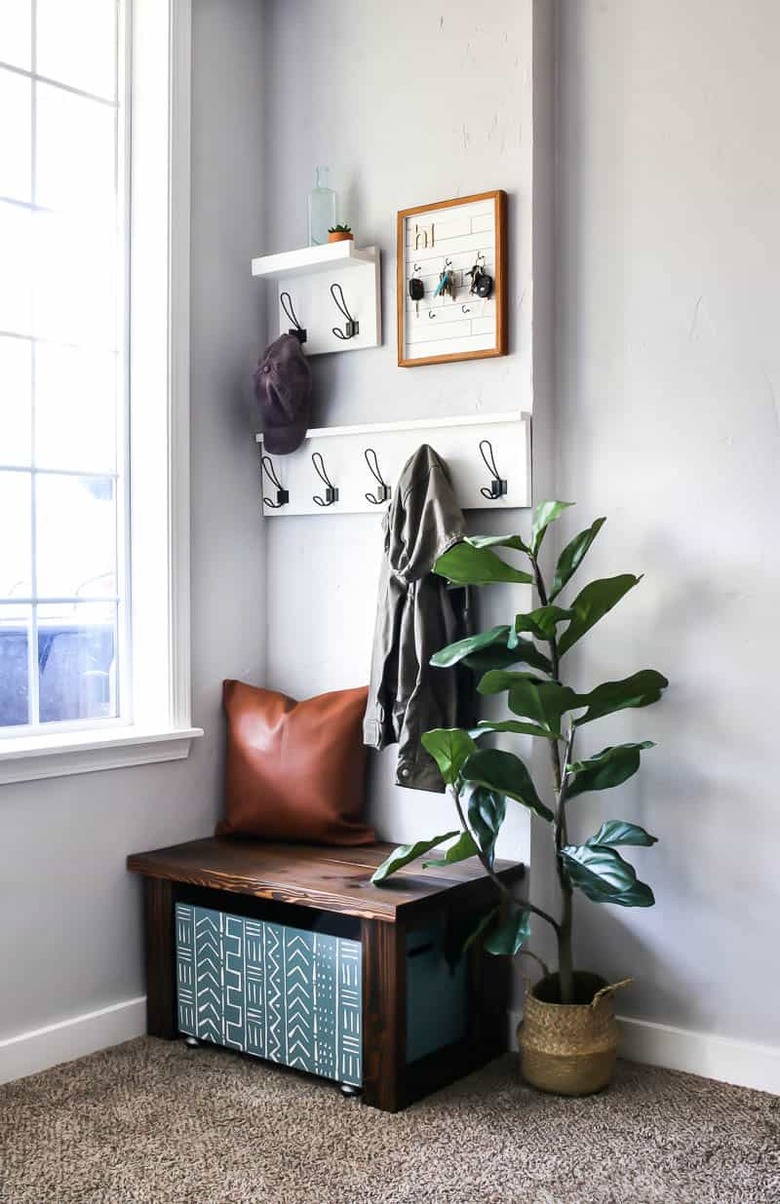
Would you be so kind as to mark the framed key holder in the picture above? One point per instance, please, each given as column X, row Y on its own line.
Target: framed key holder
column 452, row 285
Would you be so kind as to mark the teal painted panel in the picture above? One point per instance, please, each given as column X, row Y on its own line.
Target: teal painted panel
column 281, row 993
column 185, row 976
column 233, row 980
column 254, row 986
column 436, row 996
column 299, row 957
column 348, row 1031
column 275, row 1019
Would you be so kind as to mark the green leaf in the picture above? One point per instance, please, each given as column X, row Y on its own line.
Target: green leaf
column 486, row 812
column 449, row 747
column 572, row 556
column 544, row 514
column 602, row 874
column 477, row 931
column 511, row 725
column 499, row 680
column 611, row 767
column 640, row 690
column 510, row 936
column 496, row 657
column 406, row 853
column 473, row 643
column 498, row 541
column 463, row 564
column 543, row 621
column 506, row 774
column 463, row 848
column 592, row 603
column 530, row 697
column 619, row 831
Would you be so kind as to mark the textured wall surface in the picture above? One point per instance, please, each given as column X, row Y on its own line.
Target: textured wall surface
column 668, row 423
column 72, row 933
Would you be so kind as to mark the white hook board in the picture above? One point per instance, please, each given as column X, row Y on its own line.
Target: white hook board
column 307, row 275
column 456, row 440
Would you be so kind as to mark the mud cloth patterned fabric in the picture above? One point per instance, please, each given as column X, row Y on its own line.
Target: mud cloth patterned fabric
column 280, row 993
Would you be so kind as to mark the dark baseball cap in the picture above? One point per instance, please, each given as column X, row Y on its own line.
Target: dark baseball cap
column 283, row 391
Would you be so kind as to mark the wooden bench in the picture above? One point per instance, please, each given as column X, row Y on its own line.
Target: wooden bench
column 230, row 925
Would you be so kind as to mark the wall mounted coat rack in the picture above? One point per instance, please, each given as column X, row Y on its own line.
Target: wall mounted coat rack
column 329, row 296
column 352, row 469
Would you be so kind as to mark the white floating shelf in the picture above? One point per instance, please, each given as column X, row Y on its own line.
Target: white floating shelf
column 308, row 274
column 457, row 440
column 309, row 260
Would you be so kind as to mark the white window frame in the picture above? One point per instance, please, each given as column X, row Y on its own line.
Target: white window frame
column 159, row 33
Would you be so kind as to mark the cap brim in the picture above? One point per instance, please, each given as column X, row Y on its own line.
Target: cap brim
column 281, row 440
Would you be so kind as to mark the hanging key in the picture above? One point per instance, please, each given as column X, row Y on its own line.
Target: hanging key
column 416, row 292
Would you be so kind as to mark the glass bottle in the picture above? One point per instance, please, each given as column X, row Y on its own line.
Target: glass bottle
column 322, row 208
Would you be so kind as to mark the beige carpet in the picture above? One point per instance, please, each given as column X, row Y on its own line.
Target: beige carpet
column 154, row 1122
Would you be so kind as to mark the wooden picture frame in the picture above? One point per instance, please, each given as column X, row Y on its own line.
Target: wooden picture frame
column 450, row 235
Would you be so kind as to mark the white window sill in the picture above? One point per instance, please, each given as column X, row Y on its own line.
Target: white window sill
column 31, row 757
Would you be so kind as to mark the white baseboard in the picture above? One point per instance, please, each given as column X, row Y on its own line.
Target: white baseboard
column 41, row 1048
column 741, row 1062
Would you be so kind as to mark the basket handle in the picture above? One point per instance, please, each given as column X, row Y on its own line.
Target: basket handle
column 609, row 990
column 545, row 969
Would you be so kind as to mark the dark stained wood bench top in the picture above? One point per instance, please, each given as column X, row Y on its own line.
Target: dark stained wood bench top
column 325, row 878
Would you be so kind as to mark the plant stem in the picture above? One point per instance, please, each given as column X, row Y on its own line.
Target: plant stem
column 565, row 952
column 485, row 861
column 564, row 929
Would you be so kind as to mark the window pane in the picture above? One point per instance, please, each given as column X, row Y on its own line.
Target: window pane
column 15, row 32
column 76, row 662
column 14, row 675
column 75, row 280
column 15, row 371
column 75, row 409
column 15, row 257
column 75, row 536
column 15, row 547
column 83, row 62
column 75, row 152
column 15, row 135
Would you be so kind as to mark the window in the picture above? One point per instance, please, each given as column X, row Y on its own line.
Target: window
column 63, row 456
column 92, row 565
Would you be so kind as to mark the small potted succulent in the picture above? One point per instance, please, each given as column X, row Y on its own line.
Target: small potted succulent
column 568, row 1038
column 339, row 233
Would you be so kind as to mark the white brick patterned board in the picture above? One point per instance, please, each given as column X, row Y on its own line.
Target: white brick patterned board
column 456, row 236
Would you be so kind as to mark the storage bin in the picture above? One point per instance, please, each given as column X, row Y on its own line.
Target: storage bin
column 294, row 995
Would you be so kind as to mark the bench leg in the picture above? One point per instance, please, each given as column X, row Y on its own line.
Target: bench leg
column 384, row 1014
column 160, row 941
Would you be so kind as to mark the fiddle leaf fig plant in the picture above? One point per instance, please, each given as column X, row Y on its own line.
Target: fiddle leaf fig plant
column 522, row 660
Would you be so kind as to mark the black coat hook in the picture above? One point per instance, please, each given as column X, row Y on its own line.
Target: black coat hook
column 285, row 300
column 331, row 492
column 382, row 493
column 498, row 486
column 352, row 327
column 282, row 495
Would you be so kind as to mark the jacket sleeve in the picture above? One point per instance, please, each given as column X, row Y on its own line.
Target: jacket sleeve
column 427, row 522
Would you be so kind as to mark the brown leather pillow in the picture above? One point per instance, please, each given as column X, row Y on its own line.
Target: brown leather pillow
column 295, row 770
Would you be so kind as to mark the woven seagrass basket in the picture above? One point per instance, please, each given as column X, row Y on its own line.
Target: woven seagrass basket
column 569, row 1049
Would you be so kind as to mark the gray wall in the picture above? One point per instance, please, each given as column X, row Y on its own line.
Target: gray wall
column 70, row 928
column 669, row 360
column 407, row 104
